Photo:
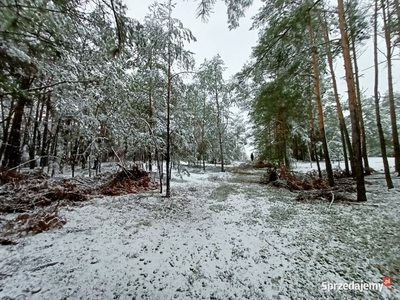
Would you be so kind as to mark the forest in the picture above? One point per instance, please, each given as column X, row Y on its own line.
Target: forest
column 112, row 131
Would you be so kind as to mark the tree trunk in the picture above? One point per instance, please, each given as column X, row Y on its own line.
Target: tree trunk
column 32, row 147
column 318, row 164
column 345, row 157
column 151, row 123
column 203, row 124
column 168, row 158
column 13, row 154
column 169, row 86
column 6, row 130
column 54, row 148
column 389, row 182
column 387, row 23
column 281, row 138
column 38, row 133
column 44, row 155
column 12, row 157
column 358, row 165
column 397, row 8
column 27, row 126
column 160, row 170
column 221, row 148
column 321, row 125
column 343, row 129
column 74, row 154
column 360, row 113
column 313, row 151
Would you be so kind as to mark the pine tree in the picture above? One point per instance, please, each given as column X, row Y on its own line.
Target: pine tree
column 358, row 167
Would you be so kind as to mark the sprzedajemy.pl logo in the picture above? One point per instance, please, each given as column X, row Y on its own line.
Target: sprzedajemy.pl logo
column 356, row 286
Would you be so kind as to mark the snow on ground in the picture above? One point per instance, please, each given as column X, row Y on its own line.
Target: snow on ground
column 221, row 236
column 374, row 163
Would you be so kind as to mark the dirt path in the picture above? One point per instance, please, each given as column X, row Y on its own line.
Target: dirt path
column 220, row 237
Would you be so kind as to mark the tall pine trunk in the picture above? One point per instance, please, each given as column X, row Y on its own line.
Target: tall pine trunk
column 151, row 123
column 203, row 124
column 169, row 86
column 313, row 150
column 355, row 124
column 389, row 182
column 359, row 107
column 343, row 128
column 387, row 24
column 321, row 125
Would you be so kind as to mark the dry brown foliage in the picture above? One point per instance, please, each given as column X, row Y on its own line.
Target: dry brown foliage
column 34, row 223
column 296, row 181
column 32, row 191
column 7, row 175
column 37, row 197
column 129, row 181
column 309, row 186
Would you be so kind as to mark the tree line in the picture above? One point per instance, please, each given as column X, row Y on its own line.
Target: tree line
column 80, row 82
column 292, row 87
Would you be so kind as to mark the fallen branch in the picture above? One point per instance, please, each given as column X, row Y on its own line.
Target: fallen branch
column 363, row 204
column 44, row 266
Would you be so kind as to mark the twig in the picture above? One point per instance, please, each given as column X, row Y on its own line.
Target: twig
column 27, row 162
column 121, row 164
column 91, row 143
column 55, row 211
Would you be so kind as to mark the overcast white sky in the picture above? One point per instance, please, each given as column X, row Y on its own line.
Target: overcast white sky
column 212, row 37
column 234, row 46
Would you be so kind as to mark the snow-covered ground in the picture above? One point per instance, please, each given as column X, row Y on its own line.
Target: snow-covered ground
column 221, row 236
column 374, row 163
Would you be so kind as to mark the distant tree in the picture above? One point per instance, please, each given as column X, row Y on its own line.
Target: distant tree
column 211, row 77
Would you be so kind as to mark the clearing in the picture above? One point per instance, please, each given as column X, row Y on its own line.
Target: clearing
column 221, row 236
